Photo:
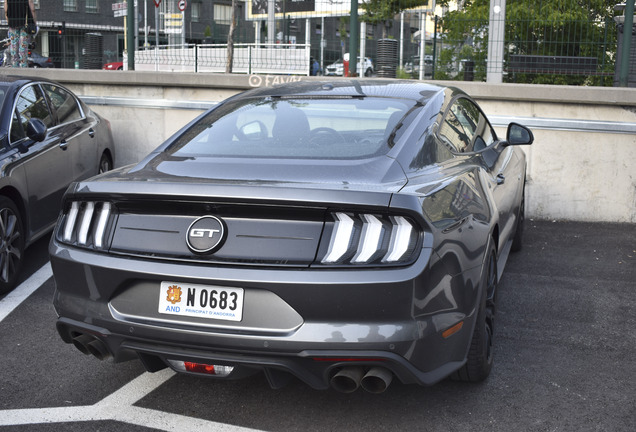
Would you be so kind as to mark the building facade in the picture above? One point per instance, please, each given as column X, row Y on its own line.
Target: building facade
column 88, row 33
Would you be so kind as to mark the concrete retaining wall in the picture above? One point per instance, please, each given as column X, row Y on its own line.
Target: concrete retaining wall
column 582, row 165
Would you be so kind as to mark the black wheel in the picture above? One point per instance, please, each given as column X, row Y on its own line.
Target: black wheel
column 105, row 163
column 368, row 72
column 480, row 355
column 517, row 240
column 11, row 244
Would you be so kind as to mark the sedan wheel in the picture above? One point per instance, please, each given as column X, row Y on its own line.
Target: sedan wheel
column 11, row 244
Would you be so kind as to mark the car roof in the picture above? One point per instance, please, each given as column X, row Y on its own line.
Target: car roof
column 403, row 89
column 8, row 81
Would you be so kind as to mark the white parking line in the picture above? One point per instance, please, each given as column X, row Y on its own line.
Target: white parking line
column 118, row 406
column 24, row 290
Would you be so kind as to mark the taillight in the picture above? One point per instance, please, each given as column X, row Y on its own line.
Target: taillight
column 362, row 239
column 86, row 224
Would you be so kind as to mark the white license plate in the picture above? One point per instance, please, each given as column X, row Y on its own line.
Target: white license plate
column 204, row 301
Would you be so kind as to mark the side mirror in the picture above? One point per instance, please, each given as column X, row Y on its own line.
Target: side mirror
column 519, row 135
column 36, row 130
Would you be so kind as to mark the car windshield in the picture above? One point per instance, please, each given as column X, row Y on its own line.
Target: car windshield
column 322, row 128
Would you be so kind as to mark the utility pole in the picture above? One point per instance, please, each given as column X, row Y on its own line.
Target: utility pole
column 623, row 80
column 271, row 22
column 353, row 39
column 130, row 34
column 494, row 72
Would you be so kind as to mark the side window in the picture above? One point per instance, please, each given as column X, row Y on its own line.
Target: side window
column 465, row 127
column 30, row 104
column 64, row 103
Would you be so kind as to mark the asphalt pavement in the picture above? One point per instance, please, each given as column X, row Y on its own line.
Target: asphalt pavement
column 564, row 361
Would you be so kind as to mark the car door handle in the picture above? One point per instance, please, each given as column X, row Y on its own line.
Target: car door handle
column 63, row 145
column 501, row 179
column 91, row 133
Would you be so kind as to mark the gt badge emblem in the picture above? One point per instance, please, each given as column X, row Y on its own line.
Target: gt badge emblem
column 205, row 234
column 174, row 294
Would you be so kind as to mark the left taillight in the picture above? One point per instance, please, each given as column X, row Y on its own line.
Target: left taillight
column 86, row 224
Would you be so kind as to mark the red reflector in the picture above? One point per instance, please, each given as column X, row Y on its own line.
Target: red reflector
column 199, row 368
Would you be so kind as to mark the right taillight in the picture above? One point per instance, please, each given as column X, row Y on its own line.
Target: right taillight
column 370, row 239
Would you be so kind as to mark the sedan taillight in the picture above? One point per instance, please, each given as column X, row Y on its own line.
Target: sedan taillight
column 360, row 239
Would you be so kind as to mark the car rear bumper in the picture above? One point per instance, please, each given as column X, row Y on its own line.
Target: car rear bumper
column 393, row 318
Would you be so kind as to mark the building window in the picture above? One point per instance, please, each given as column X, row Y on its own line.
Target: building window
column 91, row 6
column 70, row 5
column 222, row 14
column 196, row 11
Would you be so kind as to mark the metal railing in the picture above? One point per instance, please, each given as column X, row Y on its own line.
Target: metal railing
column 247, row 58
column 543, row 41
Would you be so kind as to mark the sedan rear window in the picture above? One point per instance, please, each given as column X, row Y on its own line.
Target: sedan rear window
column 325, row 128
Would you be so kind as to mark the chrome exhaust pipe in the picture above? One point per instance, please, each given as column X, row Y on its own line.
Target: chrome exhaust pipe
column 98, row 349
column 81, row 343
column 377, row 380
column 348, row 379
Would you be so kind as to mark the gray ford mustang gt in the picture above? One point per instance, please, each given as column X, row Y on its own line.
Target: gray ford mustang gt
column 345, row 233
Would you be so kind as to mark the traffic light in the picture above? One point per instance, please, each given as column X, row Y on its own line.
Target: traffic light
column 61, row 29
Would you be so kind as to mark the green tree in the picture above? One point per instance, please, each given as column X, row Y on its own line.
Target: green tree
column 382, row 11
column 577, row 28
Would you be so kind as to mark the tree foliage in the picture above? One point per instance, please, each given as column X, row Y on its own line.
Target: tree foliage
column 383, row 11
column 576, row 28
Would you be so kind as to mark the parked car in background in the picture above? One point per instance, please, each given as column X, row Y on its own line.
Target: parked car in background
column 48, row 139
column 337, row 68
column 343, row 232
column 413, row 66
column 36, row 60
column 114, row 66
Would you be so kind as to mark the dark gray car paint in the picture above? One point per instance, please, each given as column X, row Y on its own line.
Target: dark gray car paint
column 389, row 316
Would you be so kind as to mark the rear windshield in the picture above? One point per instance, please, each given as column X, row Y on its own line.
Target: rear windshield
column 326, row 128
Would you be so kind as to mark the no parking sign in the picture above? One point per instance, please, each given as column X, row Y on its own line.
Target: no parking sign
column 182, row 5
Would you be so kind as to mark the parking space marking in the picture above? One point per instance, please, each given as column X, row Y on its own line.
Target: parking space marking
column 119, row 407
column 24, row 290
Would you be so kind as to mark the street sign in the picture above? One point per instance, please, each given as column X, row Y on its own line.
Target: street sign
column 157, row 3
column 120, row 9
column 182, row 5
column 173, row 23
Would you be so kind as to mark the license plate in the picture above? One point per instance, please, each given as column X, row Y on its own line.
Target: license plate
column 204, row 301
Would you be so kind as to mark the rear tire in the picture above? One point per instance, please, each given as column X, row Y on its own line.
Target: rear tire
column 11, row 244
column 517, row 240
column 480, row 355
column 105, row 164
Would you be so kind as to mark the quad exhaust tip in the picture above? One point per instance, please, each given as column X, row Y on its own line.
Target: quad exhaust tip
column 348, row 379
